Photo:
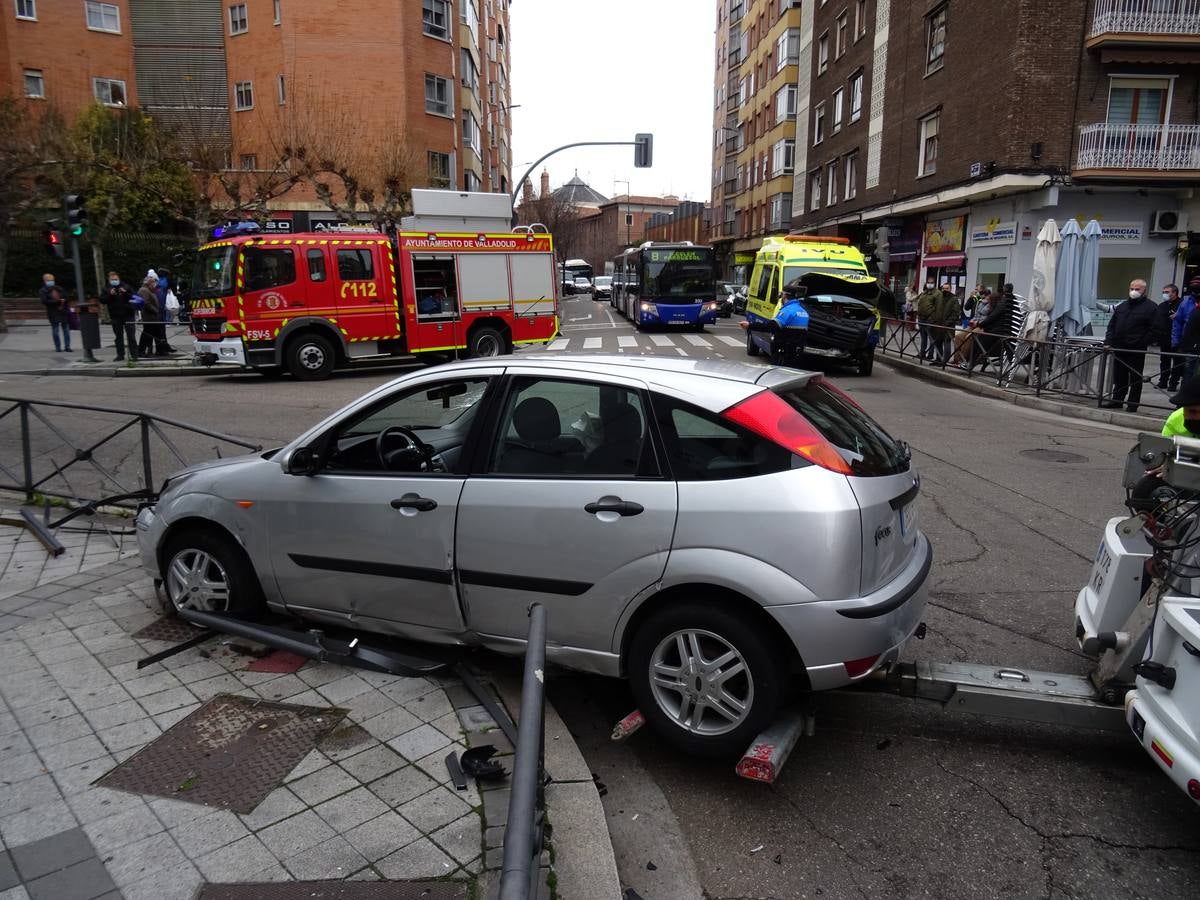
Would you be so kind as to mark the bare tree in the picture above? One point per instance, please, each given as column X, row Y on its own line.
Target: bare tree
column 562, row 219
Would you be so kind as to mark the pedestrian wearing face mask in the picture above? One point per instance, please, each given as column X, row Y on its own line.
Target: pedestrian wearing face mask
column 927, row 302
column 1170, row 368
column 57, row 313
column 1129, row 334
column 1185, row 421
column 118, row 297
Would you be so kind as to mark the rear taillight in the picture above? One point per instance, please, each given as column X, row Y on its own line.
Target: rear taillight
column 767, row 414
column 856, row 667
column 1194, row 789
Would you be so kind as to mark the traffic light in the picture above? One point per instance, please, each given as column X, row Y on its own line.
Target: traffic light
column 76, row 213
column 53, row 240
column 643, row 151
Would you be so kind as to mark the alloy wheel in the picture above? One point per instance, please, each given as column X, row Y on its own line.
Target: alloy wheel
column 312, row 357
column 701, row 682
column 196, row 580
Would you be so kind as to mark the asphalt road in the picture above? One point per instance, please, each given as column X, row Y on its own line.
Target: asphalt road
column 889, row 798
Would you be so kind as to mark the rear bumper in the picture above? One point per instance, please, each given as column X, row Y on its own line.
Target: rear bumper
column 229, row 351
column 829, row 634
column 1161, row 738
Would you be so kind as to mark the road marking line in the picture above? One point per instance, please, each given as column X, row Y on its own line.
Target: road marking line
column 592, row 343
column 661, row 340
column 732, row 342
column 696, row 341
column 681, row 351
column 626, row 340
column 560, row 344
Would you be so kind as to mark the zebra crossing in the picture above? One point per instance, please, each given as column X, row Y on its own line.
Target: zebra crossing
column 708, row 344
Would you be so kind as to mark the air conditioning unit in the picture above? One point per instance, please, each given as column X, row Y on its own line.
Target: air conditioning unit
column 1169, row 221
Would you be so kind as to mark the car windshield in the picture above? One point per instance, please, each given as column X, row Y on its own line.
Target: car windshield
column 214, row 272
column 603, row 281
column 791, row 273
column 859, row 439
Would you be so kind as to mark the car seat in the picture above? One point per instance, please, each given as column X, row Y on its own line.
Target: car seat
column 622, row 443
column 539, row 447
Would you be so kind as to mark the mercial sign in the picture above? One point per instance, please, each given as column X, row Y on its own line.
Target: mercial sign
column 994, row 232
column 1120, row 232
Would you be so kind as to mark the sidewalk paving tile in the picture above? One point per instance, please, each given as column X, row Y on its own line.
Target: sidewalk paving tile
column 126, row 827
column 50, row 854
column 37, row 823
column 81, row 881
column 334, row 858
column 322, row 785
column 207, row 833
column 383, row 835
column 279, row 804
column 291, row 836
column 374, row 763
column 402, row 786
column 462, row 838
column 433, row 810
column 178, row 884
column 420, row 859
column 391, row 724
column 418, row 742
column 135, row 861
column 350, row 810
column 243, row 860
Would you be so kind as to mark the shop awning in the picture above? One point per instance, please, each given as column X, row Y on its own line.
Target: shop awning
column 944, row 260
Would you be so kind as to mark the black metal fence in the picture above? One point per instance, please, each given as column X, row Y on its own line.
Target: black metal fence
column 1082, row 369
column 525, row 832
column 88, row 455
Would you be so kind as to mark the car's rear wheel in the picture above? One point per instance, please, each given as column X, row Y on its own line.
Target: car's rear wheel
column 209, row 572
column 707, row 679
column 486, row 342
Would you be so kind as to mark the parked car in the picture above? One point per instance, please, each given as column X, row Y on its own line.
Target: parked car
column 583, row 285
column 602, row 287
column 568, row 287
column 739, row 299
column 719, row 533
column 726, row 294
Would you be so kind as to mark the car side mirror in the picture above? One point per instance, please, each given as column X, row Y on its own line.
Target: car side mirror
column 301, row 461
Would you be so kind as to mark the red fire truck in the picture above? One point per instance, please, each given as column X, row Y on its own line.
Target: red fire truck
column 309, row 303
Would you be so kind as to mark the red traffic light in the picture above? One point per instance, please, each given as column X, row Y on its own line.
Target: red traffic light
column 53, row 240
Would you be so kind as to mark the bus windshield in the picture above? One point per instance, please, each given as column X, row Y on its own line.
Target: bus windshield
column 678, row 275
column 214, row 272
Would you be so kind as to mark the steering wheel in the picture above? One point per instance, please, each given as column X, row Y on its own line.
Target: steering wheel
column 416, row 455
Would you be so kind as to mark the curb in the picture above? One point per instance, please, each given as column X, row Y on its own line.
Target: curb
column 1132, row 421
column 135, row 372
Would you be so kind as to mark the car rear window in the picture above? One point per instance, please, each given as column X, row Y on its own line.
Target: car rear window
column 702, row 446
column 860, row 440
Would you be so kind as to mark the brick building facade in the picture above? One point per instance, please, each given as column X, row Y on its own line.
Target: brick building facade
column 947, row 152
column 431, row 76
column 689, row 221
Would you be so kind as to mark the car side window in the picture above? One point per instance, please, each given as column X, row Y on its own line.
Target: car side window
column 701, row 446
column 316, row 265
column 766, row 276
column 269, row 268
column 355, row 265
column 561, row 427
column 380, row 439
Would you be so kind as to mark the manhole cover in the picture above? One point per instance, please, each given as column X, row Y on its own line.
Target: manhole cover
column 1045, row 454
column 230, row 753
column 169, row 628
column 337, row 890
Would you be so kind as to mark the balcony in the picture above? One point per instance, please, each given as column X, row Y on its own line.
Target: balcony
column 1139, row 151
column 1145, row 23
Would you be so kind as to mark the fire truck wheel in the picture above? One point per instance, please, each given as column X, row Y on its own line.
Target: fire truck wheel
column 205, row 569
column 486, row 341
column 309, row 357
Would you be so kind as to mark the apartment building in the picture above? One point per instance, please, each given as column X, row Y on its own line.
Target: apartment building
column 689, row 221
column 431, row 77
column 945, row 134
column 754, row 126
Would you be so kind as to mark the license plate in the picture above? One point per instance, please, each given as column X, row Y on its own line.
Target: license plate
column 1138, row 725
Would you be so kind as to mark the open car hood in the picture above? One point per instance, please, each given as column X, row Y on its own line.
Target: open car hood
column 854, row 285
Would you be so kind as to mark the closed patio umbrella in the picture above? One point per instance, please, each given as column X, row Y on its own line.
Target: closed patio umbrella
column 1066, row 280
column 1041, row 291
column 1089, row 276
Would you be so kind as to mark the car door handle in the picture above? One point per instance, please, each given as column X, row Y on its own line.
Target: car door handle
column 412, row 501
column 620, row 507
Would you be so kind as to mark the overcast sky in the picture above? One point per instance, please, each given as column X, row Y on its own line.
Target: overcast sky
column 605, row 71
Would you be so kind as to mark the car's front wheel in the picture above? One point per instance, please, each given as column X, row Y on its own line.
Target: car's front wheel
column 751, row 347
column 209, row 572
column 707, row 679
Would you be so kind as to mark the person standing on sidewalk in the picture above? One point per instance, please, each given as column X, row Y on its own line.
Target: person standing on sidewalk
column 57, row 313
column 1129, row 334
column 154, row 337
column 1170, row 368
column 926, row 301
column 118, row 297
column 947, row 315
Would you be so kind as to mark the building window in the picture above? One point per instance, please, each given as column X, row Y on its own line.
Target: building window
column 27, row 9
column 470, row 129
column 781, row 210
column 471, row 181
column 282, row 86
column 470, row 72
column 843, row 34
column 435, row 15
column 856, row 96
column 814, row 190
column 785, row 103
column 935, row 31
column 787, row 49
column 437, row 96
column 109, row 91
column 831, row 183
column 469, row 16
column 851, row 175
column 819, row 124
column 239, row 23
column 439, row 169
column 278, row 11
column 103, row 16
column 248, row 162
column 823, row 53
column 35, row 84
column 783, row 157
column 860, row 18
column 838, row 98
column 927, row 162
column 243, row 95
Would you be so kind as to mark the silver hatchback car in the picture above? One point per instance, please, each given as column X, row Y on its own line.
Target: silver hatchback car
column 716, row 532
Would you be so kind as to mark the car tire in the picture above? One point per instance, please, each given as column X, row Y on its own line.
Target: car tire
column 485, row 343
column 866, row 362
column 714, row 630
column 310, row 357
column 751, row 347
column 215, row 558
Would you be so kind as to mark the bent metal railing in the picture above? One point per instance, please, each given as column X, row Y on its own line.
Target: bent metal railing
column 525, row 832
column 1078, row 369
column 90, row 456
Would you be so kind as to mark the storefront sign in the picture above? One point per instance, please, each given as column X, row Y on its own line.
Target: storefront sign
column 1120, row 232
column 945, row 235
column 743, row 259
column 994, row 232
